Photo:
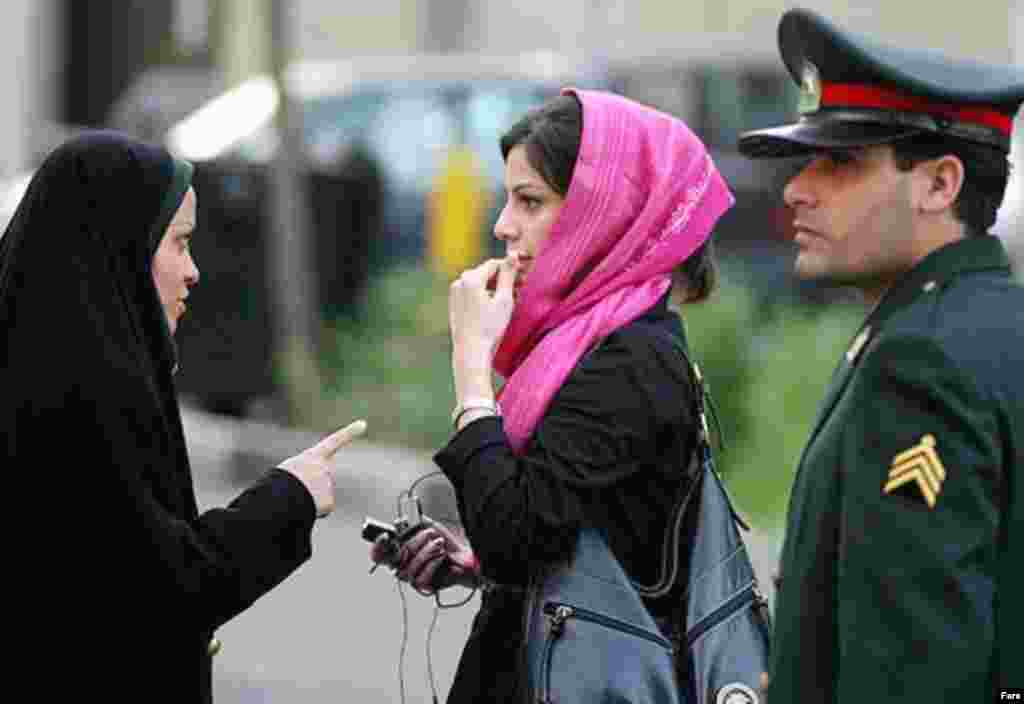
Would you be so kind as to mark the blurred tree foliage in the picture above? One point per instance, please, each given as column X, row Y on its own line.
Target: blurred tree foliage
column 390, row 363
column 767, row 367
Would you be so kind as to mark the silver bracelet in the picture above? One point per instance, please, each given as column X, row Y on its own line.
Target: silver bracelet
column 476, row 404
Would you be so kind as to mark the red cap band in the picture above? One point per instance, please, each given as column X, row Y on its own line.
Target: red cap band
column 865, row 96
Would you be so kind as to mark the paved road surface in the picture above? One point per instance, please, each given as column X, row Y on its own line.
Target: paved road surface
column 333, row 633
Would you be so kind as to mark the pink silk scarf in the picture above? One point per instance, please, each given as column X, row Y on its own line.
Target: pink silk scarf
column 644, row 196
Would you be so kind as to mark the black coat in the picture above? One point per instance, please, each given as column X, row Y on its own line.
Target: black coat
column 612, row 450
column 118, row 580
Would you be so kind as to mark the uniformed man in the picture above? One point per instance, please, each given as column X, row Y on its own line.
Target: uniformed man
column 905, row 533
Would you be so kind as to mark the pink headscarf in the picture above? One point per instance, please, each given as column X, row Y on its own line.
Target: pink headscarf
column 644, row 196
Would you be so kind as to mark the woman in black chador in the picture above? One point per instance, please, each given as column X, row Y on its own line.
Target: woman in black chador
column 118, row 580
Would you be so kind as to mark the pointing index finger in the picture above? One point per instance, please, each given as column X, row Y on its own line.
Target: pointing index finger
column 338, row 439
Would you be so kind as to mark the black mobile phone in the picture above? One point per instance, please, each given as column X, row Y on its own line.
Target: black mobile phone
column 397, row 534
column 373, row 529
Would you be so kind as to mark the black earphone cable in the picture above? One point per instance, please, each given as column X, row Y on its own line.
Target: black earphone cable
column 405, row 641
column 438, row 604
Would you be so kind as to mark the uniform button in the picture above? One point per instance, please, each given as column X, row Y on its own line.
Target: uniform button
column 930, row 286
column 214, row 647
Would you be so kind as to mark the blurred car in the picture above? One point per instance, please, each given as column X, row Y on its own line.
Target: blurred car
column 160, row 96
column 404, row 112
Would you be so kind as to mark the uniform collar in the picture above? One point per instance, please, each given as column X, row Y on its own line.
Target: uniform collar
column 970, row 254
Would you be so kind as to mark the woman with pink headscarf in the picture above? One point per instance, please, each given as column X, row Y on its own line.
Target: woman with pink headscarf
column 610, row 208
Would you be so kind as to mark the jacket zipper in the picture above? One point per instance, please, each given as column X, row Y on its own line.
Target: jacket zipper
column 731, row 606
column 560, row 613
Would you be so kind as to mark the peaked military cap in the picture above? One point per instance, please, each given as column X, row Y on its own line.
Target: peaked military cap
column 856, row 92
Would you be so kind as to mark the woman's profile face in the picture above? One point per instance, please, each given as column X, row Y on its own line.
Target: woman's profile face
column 530, row 210
column 174, row 272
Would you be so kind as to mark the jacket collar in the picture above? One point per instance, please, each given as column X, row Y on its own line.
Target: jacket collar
column 970, row 254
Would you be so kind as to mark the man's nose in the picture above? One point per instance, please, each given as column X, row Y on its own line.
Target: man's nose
column 800, row 191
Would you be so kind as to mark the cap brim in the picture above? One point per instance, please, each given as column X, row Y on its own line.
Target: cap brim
column 808, row 136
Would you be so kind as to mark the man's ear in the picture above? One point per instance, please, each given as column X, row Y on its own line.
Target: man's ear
column 941, row 181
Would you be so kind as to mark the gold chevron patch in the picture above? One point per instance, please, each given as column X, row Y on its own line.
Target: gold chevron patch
column 920, row 465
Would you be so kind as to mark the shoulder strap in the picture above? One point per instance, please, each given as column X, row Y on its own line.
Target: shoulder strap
column 704, row 470
column 705, row 402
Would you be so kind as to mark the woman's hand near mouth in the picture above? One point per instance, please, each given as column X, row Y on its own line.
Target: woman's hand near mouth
column 479, row 309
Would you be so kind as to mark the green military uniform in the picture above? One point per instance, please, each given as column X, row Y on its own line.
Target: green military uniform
column 905, row 530
column 886, row 596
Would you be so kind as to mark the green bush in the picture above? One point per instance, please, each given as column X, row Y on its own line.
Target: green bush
column 393, row 366
column 767, row 369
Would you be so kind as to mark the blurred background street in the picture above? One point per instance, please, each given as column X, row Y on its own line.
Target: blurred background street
column 347, row 167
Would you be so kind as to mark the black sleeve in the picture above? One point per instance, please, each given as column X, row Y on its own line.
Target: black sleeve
column 264, row 534
column 601, row 428
column 209, row 569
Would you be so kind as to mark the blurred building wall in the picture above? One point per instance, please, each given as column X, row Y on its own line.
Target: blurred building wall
column 447, row 26
column 15, row 35
column 969, row 29
column 33, row 75
column 30, row 80
column 976, row 29
column 331, row 29
column 508, row 27
column 1017, row 32
column 107, row 44
column 1013, row 205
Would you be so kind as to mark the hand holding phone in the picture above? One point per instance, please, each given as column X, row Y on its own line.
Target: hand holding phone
column 421, row 554
column 384, row 537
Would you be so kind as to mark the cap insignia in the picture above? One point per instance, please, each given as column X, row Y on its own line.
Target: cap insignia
column 919, row 466
column 810, row 89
